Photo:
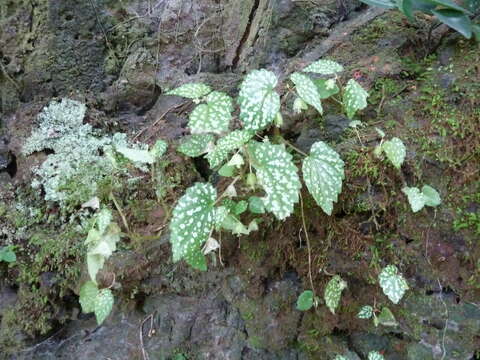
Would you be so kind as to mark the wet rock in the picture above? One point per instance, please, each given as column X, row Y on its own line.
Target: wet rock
column 5, row 156
column 335, row 125
column 8, row 298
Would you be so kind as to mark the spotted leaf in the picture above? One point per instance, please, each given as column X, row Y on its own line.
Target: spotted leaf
column 354, row 98
column 431, row 196
column 259, row 103
column 193, row 219
column 307, row 90
column 323, row 174
column 393, row 284
column 375, row 355
column 415, row 198
column 340, row 357
column 88, row 294
column 226, row 145
column 333, row 292
column 324, row 67
column 366, row 312
column 395, row 151
column 196, row 145
column 212, row 117
column 277, row 174
column 191, row 90
column 103, row 305
column 159, row 149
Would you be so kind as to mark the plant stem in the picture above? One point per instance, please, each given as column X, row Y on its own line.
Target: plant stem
column 308, row 246
column 225, row 191
column 294, row 147
column 119, row 209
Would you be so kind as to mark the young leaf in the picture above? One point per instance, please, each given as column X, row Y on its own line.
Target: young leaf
column 455, row 19
column 259, row 103
column 393, row 284
column 227, row 170
column 307, row 90
column 395, row 151
column 255, row 205
column 299, row 105
column 333, row 292
column 240, row 207
column 7, row 255
column 88, row 294
column 324, row 67
column 231, row 223
column 386, row 317
column 196, row 145
column 103, row 305
column 226, row 145
column 375, row 355
column 136, row 155
column 277, row 174
column 192, row 222
column 305, row 300
column 323, row 174
column 159, row 149
column 326, row 88
column 431, row 196
column 366, row 312
column 236, row 160
column 191, row 90
column 212, row 117
column 415, row 198
column 210, row 245
column 354, row 98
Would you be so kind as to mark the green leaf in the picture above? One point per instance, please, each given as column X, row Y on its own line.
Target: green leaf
column 191, row 90
column 324, row 67
column 326, row 88
column 136, row 155
column 354, row 98
column 231, row 223
column 455, row 19
column 366, row 312
column 305, row 300
column 192, row 222
column 277, row 174
column 7, row 254
column 476, row 31
column 255, row 205
column 386, row 4
column 333, row 292
column 196, row 145
column 103, row 305
column 236, row 160
column 226, row 145
column 323, row 174
column 240, row 207
column 94, row 263
column 212, row 117
column 415, row 198
column 449, row 4
column 259, row 103
column 395, row 151
column 307, row 90
column 341, row 357
column 88, row 295
column 159, row 149
column 375, row 355
column 392, row 283
column 386, row 317
column 104, row 218
column 406, row 7
column 299, row 105
column 227, row 170
column 431, row 196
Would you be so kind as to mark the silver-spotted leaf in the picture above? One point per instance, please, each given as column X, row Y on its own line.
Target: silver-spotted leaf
column 137, row 155
column 196, row 145
column 193, row 219
column 88, row 294
column 392, row 283
column 415, row 198
column 305, row 300
column 277, row 174
column 395, row 151
column 323, row 174
column 226, row 145
column 324, row 67
column 366, row 312
column 259, row 103
column 103, row 305
column 159, row 149
column 191, row 90
column 307, row 90
column 333, row 292
column 354, row 98
column 340, row 357
column 375, row 355
column 212, row 117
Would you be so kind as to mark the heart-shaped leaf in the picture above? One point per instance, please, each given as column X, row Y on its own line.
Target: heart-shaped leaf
column 196, row 145
column 395, row 151
column 103, row 305
column 88, row 295
column 212, row 117
column 366, row 312
column 393, row 284
column 324, row 67
column 226, row 145
column 307, row 90
column 333, row 292
column 354, row 98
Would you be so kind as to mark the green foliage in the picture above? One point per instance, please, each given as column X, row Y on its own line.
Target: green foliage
column 375, row 355
column 323, row 174
column 446, row 11
column 305, row 300
column 333, row 292
column 395, row 151
column 418, row 199
column 226, row 145
column 7, row 254
column 196, row 145
column 259, row 103
column 212, row 117
column 100, row 302
column 191, row 91
column 354, row 98
column 307, row 90
column 324, row 67
column 392, row 283
column 366, row 312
